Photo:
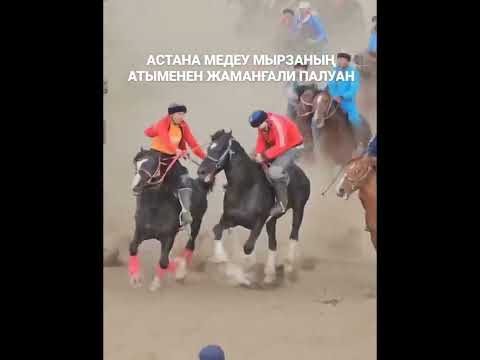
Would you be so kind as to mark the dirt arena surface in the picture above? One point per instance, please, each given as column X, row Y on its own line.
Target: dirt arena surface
column 328, row 313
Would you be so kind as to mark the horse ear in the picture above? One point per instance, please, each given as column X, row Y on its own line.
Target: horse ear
column 141, row 149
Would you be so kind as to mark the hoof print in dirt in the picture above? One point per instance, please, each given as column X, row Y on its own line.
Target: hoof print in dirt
column 333, row 302
column 309, row 264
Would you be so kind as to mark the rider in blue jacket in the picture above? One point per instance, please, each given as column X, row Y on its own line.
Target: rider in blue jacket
column 345, row 91
column 311, row 22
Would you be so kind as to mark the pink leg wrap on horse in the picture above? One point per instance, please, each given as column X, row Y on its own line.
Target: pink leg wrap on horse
column 172, row 266
column 134, row 265
column 161, row 272
column 187, row 254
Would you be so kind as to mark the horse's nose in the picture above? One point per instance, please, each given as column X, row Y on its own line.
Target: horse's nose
column 340, row 192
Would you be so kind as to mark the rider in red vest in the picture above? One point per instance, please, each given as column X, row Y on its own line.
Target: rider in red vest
column 170, row 137
column 278, row 143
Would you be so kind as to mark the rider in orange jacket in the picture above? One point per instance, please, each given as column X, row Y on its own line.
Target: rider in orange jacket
column 278, row 143
column 170, row 137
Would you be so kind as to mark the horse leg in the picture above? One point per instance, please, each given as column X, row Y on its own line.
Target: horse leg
column 252, row 239
column 297, row 212
column 270, row 271
column 164, row 264
column 134, row 263
column 219, row 254
column 185, row 258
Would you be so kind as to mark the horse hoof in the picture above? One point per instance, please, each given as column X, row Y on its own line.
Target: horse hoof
column 237, row 275
column 249, row 260
column 269, row 279
column 288, row 267
column 219, row 259
column 181, row 270
column 135, row 281
column 155, row 284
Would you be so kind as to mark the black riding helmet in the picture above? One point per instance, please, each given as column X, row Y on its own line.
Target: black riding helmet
column 174, row 108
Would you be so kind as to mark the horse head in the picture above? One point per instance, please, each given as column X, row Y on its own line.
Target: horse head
column 306, row 106
column 145, row 166
column 356, row 173
column 218, row 155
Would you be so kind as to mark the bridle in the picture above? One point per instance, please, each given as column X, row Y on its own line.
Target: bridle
column 157, row 173
column 357, row 182
column 228, row 152
column 329, row 115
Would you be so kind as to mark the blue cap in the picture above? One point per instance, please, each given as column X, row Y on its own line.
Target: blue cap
column 211, row 352
column 257, row 118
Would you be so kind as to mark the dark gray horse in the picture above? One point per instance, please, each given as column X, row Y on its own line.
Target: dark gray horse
column 249, row 198
column 157, row 217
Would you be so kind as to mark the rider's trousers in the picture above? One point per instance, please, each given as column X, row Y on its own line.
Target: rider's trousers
column 277, row 172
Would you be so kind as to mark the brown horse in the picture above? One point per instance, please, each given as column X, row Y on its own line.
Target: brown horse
column 361, row 175
column 334, row 133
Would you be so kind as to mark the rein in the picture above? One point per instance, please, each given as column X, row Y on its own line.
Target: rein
column 173, row 160
column 228, row 151
column 334, row 180
column 328, row 109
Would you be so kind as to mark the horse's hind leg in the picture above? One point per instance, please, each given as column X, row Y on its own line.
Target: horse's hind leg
column 134, row 263
column 270, row 265
column 292, row 249
column 185, row 258
column 164, row 264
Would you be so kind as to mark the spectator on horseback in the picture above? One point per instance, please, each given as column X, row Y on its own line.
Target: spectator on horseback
column 295, row 89
column 289, row 21
column 372, row 42
column 344, row 90
column 278, row 143
column 170, row 135
column 310, row 25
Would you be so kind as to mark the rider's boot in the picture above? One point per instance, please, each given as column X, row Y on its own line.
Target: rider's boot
column 185, row 197
column 281, row 192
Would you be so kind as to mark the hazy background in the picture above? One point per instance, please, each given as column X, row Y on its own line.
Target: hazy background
column 173, row 323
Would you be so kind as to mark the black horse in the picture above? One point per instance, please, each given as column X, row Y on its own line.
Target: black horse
column 249, row 198
column 157, row 217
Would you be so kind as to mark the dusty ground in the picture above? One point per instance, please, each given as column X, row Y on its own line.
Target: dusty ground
column 328, row 313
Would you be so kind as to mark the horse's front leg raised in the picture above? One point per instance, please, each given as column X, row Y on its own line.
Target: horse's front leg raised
column 252, row 239
column 164, row 264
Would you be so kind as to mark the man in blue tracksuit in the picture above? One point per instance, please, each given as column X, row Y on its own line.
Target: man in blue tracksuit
column 344, row 90
column 311, row 26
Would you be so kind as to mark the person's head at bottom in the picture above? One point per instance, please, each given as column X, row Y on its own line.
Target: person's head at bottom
column 211, row 352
